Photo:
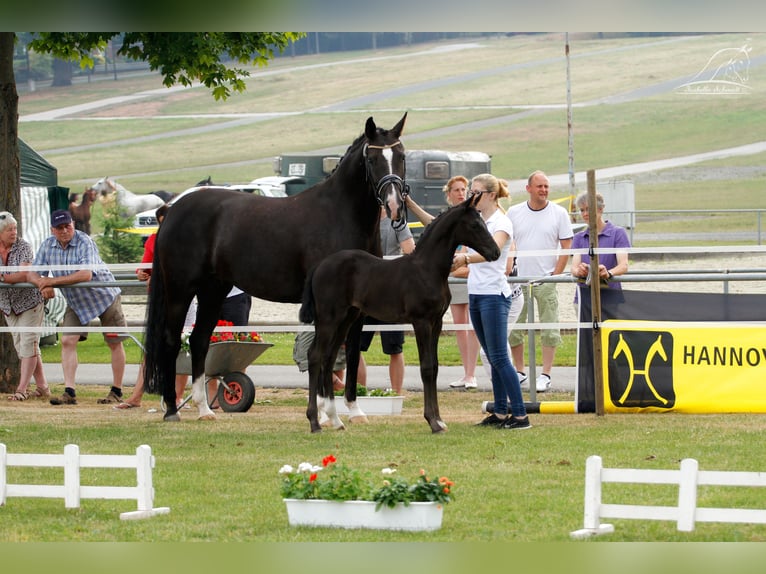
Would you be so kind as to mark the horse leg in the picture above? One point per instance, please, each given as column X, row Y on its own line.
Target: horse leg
column 353, row 344
column 199, row 397
column 321, row 409
column 208, row 310
column 427, row 337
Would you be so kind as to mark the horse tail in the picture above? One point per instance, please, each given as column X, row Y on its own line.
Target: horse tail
column 307, row 312
column 154, row 339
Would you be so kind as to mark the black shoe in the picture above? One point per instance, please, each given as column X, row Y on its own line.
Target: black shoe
column 66, row 399
column 512, row 423
column 492, row 421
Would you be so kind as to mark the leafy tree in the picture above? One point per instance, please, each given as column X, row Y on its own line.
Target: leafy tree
column 117, row 246
column 212, row 58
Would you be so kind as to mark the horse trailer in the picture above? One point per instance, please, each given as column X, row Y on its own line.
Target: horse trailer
column 427, row 172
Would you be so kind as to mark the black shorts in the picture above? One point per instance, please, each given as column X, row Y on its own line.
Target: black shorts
column 237, row 309
column 391, row 341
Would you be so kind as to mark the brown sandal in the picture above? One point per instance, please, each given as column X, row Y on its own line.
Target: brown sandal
column 43, row 393
column 18, row 396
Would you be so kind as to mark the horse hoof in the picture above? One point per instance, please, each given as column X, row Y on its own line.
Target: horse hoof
column 316, row 430
column 358, row 420
column 174, row 418
column 210, row 417
column 440, row 428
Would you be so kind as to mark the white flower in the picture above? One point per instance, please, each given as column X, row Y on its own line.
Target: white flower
column 287, row 469
column 388, row 471
column 305, row 467
column 316, row 468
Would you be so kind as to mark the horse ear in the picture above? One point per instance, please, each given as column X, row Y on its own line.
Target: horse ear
column 473, row 200
column 370, row 129
column 399, row 127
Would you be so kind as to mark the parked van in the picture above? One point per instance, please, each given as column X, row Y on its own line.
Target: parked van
column 427, row 172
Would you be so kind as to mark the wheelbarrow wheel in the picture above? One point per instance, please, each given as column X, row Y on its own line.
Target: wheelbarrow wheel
column 240, row 394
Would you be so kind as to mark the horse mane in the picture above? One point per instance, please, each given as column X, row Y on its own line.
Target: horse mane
column 428, row 229
column 349, row 151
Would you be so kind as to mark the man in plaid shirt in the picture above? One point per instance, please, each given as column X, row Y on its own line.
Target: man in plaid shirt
column 69, row 247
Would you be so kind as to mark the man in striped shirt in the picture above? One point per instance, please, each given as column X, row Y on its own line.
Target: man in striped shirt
column 69, row 247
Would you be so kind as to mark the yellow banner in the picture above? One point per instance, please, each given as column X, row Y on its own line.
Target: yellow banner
column 660, row 367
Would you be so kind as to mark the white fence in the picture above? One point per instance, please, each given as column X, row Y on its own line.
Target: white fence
column 688, row 478
column 72, row 491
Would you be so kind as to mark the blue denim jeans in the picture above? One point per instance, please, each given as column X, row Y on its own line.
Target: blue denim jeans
column 489, row 316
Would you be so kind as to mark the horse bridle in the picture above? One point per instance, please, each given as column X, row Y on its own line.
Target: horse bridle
column 388, row 179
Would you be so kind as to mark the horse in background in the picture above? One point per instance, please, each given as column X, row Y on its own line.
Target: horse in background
column 266, row 246
column 129, row 203
column 409, row 289
column 81, row 212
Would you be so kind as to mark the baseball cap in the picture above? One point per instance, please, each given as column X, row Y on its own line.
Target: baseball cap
column 60, row 217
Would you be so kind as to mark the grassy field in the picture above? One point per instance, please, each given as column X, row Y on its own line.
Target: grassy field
column 95, row 351
column 152, row 143
column 220, row 479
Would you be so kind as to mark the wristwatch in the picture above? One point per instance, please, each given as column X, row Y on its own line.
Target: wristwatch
column 609, row 274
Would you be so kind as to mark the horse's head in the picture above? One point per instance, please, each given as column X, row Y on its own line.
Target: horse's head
column 385, row 166
column 472, row 231
column 104, row 186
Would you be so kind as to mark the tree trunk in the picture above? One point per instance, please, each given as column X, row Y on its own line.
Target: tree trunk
column 62, row 72
column 10, row 191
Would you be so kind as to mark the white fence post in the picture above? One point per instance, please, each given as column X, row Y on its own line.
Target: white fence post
column 687, row 495
column 71, row 476
column 592, row 522
column 3, row 473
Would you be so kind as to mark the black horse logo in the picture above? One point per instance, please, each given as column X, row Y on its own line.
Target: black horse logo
column 648, row 384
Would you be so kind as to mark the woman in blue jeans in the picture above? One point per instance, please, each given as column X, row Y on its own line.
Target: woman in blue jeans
column 489, row 300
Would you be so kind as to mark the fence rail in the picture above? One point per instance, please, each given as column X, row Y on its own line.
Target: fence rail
column 72, row 490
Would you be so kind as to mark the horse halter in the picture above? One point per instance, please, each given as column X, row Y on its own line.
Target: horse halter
column 388, row 179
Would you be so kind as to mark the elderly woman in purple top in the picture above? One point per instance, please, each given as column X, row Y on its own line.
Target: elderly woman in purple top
column 610, row 236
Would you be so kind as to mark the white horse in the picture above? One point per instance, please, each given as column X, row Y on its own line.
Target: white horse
column 129, row 202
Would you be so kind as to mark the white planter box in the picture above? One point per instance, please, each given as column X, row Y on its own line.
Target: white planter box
column 362, row 514
column 373, row 405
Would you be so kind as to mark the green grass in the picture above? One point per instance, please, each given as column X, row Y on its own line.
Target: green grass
column 94, row 350
column 220, row 479
column 609, row 134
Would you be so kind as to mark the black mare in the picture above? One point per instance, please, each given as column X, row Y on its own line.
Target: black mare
column 214, row 238
column 410, row 289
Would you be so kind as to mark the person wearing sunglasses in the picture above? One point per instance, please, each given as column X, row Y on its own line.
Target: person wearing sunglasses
column 489, row 302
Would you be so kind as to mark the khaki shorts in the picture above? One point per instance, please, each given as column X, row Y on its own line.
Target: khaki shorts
column 303, row 341
column 27, row 344
column 547, row 303
column 111, row 317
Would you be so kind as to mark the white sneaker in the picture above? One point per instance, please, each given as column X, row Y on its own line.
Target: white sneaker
column 471, row 383
column 457, row 384
column 524, row 381
column 543, row 383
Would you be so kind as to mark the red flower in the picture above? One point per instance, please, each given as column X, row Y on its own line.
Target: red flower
column 313, row 477
column 329, row 459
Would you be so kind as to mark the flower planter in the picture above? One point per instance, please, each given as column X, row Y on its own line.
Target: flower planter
column 362, row 514
column 373, row 405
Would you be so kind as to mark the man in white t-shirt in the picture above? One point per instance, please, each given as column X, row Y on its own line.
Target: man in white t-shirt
column 539, row 225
